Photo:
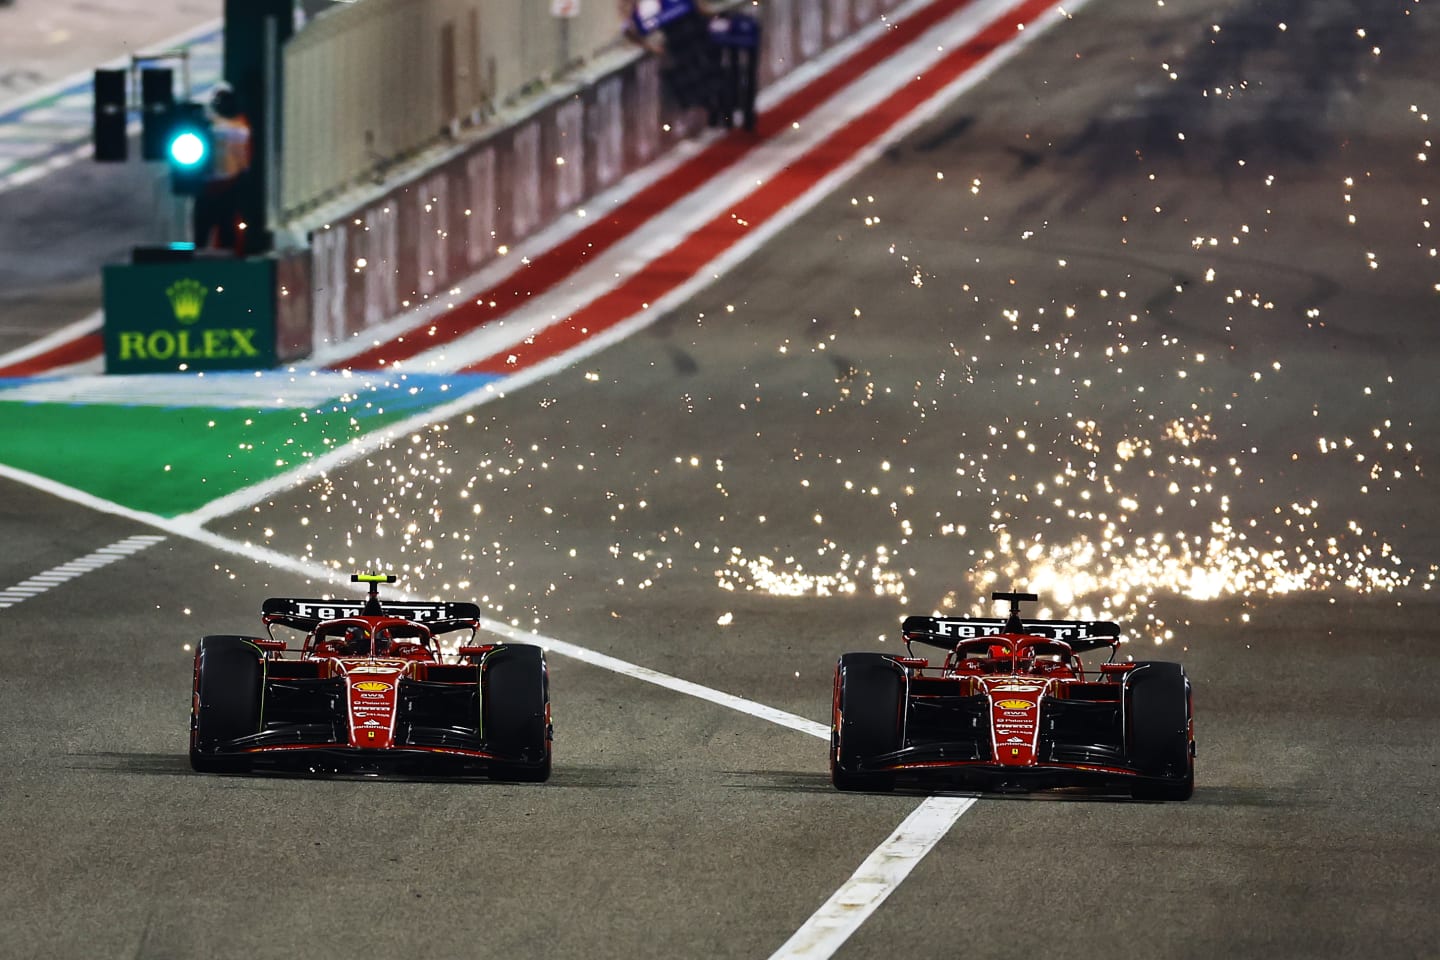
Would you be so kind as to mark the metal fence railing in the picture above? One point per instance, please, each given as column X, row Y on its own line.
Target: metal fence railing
column 371, row 84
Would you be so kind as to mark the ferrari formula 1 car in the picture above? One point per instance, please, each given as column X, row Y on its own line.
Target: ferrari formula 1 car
column 369, row 691
column 1011, row 706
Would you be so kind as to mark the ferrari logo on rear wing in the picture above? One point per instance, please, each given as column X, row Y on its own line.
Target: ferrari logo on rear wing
column 1082, row 635
column 319, row 610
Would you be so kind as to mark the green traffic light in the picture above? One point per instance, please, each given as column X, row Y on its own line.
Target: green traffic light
column 188, row 148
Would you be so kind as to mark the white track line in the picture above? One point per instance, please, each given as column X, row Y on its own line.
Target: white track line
column 43, row 168
column 87, row 500
column 606, row 662
column 71, row 331
column 52, row 578
column 884, row 870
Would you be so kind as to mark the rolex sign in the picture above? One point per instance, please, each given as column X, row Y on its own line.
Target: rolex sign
column 196, row 315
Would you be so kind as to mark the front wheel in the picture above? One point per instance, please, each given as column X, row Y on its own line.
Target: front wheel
column 226, row 701
column 867, row 716
column 1162, row 744
column 515, row 712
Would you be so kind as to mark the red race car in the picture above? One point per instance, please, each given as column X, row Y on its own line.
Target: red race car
column 369, row 691
column 1011, row 706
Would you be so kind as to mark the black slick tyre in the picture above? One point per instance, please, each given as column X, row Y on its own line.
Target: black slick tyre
column 515, row 712
column 1160, row 732
column 228, row 681
column 868, row 714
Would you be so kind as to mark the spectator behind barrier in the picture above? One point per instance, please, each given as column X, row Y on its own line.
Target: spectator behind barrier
column 736, row 37
column 678, row 31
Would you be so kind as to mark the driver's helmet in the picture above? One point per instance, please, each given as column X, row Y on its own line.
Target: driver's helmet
column 383, row 641
column 997, row 659
column 356, row 641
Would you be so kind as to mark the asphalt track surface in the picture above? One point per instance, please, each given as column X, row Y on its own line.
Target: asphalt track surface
column 905, row 356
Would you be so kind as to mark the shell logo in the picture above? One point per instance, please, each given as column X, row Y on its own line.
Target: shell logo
column 372, row 686
column 1014, row 704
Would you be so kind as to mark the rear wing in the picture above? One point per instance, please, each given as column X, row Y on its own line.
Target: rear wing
column 1082, row 635
column 308, row 614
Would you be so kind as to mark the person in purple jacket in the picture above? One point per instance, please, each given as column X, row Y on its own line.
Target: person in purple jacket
column 678, row 31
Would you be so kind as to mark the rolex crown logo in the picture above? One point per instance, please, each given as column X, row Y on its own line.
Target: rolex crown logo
column 187, row 297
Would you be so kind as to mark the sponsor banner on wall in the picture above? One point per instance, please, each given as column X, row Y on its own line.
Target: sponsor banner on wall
column 190, row 315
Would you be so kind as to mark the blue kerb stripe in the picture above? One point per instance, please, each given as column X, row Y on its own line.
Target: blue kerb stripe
column 408, row 392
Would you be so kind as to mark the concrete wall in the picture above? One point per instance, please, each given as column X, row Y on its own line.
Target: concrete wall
column 370, row 85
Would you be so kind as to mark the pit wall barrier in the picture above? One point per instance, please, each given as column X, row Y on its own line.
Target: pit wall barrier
column 371, row 85
column 415, row 239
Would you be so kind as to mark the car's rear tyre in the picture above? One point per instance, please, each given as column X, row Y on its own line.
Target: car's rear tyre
column 228, row 680
column 1161, row 737
column 868, row 716
column 515, row 711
